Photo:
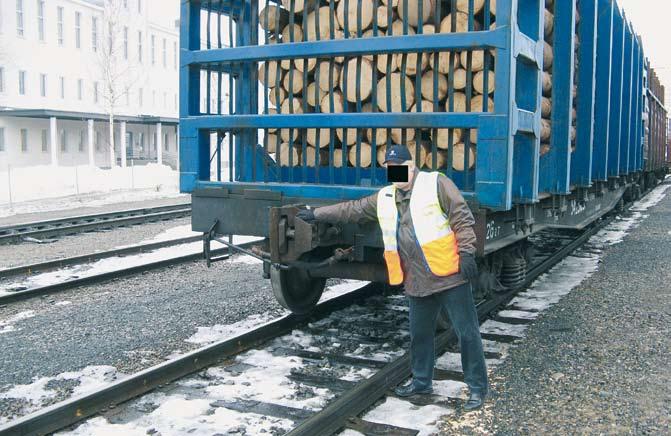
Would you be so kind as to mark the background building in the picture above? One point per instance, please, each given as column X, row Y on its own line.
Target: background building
column 65, row 65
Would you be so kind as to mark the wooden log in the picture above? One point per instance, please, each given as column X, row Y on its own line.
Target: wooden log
column 382, row 17
column 443, row 137
column 479, row 82
column 441, row 160
column 274, row 19
column 271, row 142
column 458, row 154
column 351, row 136
column 324, row 137
column 339, row 34
column 288, row 135
column 272, row 111
column 288, row 156
column 366, row 7
column 462, row 5
column 546, row 107
column 547, row 84
column 337, row 158
column 545, row 149
column 273, row 71
column 573, row 134
column 444, row 62
column 293, row 82
column 546, row 129
column 292, row 33
column 548, row 24
column 492, row 7
column 477, row 60
column 411, row 63
column 550, row 4
column 364, row 73
column 276, row 96
column 322, row 14
column 459, row 99
column 338, row 103
column 292, row 106
column 397, row 135
column 478, row 101
column 323, row 72
column 365, row 157
column 310, row 157
column 473, row 136
column 459, row 79
column 461, row 23
column 412, row 8
column 424, row 147
column 548, row 56
column 380, row 136
column 427, row 85
column 381, row 151
column 394, row 3
column 311, row 63
column 427, row 106
column 394, row 81
column 300, row 5
column 311, row 98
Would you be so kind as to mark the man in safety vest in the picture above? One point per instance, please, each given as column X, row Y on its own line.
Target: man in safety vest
column 429, row 246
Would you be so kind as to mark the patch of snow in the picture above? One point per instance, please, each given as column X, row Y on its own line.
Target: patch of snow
column 450, row 389
column 357, row 374
column 496, row 327
column 63, row 303
column 652, row 199
column 452, row 362
column 220, row 332
column 404, row 414
column 7, row 324
column 519, row 314
column 342, row 288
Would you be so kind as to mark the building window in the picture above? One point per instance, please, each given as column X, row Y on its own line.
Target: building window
column 82, row 139
column 174, row 54
column 125, row 42
column 165, row 53
column 94, row 33
column 97, row 140
column 22, row 82
column 43, row 85
column 95, row 92
column 78, row 29
column 2, row 139
column 139, row 46
column 80, row 85
column 64, row 137
column 2, row 79
column 140, row 97
column 40, row 19
column 139, row 6
column 62, row 87
column 45, row 143
column 19, row 17
column 153, row 49
column 153, row 143
column 60, row 25
column 166, row 145
column 24, row 140
column 125, row 4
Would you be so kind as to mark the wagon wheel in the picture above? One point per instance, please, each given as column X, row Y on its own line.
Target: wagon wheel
column 295, row 290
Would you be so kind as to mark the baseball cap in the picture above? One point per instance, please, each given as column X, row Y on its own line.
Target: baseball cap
column 397, row 154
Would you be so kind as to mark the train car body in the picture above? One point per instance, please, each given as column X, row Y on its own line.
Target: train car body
column 553, row 145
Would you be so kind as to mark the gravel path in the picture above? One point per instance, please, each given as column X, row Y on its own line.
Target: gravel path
column 83, row 243
column 598, row 362
column 130, row 324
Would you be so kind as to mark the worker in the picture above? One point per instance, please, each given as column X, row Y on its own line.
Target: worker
column 429, row 247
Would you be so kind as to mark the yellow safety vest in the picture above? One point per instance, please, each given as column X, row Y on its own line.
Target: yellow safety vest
column 432, row 228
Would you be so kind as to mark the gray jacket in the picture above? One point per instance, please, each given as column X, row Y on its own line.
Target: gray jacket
column 417, row 281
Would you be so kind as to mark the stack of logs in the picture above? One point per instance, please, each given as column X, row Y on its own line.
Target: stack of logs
column 548, row 58
column 325, row 90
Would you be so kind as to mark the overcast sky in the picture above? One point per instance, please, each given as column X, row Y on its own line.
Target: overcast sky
column 652, row 20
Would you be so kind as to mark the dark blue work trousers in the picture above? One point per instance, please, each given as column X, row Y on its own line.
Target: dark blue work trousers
column 423, row 317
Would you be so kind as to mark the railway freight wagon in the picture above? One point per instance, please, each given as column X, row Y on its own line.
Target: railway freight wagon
column 656, row 126
column 534, row 108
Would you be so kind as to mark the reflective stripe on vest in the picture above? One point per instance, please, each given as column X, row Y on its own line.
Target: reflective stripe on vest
column 432, row 228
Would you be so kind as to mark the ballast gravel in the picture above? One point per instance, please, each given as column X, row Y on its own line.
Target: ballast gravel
column 598, row 362
column 129, row 323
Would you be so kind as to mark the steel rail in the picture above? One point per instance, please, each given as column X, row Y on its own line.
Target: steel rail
column 91, row 257
column 78, row 224
column 70, row 284
column 70, row 411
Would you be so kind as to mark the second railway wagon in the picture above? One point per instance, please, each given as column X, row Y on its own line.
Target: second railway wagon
column 534, row 108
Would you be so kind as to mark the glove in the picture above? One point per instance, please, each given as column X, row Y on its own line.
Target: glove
column 307, row 215
column 467, row 266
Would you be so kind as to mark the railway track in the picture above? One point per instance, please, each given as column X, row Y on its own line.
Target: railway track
column 86, row 223
column 75, row 280
column 351, row 338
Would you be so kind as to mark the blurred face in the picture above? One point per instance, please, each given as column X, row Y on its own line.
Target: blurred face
column 407, row 166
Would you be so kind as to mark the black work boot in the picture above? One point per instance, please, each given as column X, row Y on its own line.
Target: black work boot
column 475, row 401
column 411, row 389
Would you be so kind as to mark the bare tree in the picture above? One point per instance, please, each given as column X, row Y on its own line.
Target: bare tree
column 118, row 73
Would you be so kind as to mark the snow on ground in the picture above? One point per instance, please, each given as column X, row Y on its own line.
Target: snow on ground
column 82, row 186
column 404, row 414
column 220, row 332
column 7, row 325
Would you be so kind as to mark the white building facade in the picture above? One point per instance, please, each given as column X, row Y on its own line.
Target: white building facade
column 57, row 70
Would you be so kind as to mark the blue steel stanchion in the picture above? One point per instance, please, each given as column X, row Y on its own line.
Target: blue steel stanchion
column 615, row 124
column 602, row 108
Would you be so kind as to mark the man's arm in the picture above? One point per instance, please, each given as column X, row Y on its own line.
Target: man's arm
column 361, row 210
column 459, row 214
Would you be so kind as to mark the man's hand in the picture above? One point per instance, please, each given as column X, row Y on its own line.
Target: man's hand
column 307, row 215
column 467, row 266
